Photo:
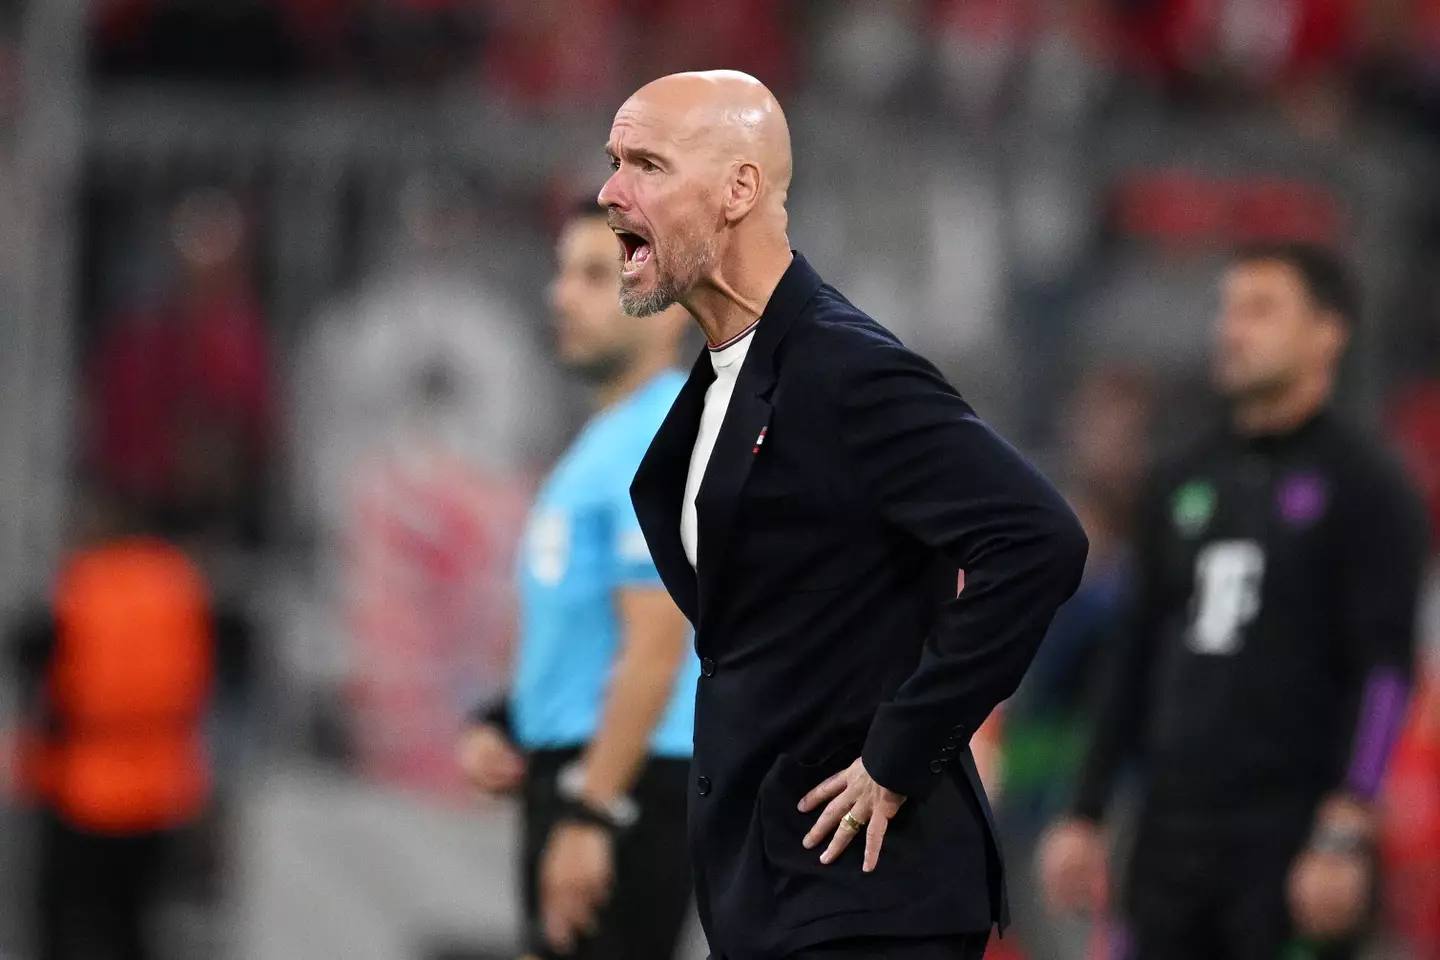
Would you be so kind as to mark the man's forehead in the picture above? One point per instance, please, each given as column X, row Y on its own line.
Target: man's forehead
column 642, row 123
column 636, row 122
column 1252, row 273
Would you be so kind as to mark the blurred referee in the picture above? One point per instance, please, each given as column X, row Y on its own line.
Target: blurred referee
column 1266, row 661
column 596, row 731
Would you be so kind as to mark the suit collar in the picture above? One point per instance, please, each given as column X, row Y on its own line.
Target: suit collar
column 795, row 289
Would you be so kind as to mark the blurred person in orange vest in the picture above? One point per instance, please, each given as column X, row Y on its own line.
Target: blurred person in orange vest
column 116, row 676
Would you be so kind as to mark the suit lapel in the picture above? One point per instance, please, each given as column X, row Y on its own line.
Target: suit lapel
column 736, row 449
column 739, row 444
column 658, row 489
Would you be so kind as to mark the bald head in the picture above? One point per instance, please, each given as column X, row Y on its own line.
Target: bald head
column 730, row 114
column 701, row 162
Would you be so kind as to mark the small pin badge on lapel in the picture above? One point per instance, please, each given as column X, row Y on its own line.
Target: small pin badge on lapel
column 759, row 440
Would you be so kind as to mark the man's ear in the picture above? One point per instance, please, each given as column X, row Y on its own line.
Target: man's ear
column 743, row 191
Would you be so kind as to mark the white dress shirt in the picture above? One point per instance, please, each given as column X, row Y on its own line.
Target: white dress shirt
column 727, row 361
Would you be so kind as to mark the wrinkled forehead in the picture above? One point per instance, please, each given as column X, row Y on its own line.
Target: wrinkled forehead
column 651, row 125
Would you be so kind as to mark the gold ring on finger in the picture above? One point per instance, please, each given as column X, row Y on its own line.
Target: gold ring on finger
column 850, row 821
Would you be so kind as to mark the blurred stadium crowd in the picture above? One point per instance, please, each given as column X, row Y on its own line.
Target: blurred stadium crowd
column 276, row 273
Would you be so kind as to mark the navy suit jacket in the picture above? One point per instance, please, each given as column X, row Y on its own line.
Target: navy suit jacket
column 828, row 625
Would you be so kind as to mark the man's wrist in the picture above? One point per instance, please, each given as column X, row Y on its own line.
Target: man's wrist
column 579, row 813
column 1347, row 813
column 1344, row 826
column 617, row 814
column 1340, row 843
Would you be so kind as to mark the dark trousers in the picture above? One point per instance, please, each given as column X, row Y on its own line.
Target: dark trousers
column 964, row 947
column 650, row 901
column 97, row 894
column 1204, row 889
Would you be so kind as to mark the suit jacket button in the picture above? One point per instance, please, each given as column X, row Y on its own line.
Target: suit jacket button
column 703, row 786
column 707, row 667
column 936, row 766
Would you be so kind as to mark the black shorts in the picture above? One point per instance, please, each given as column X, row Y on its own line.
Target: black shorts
column 1210, row 890
column 647, row 910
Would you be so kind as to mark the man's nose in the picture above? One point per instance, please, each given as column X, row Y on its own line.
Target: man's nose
column 611, row 194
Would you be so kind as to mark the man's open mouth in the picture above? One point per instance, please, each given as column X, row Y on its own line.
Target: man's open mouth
column 636, row 248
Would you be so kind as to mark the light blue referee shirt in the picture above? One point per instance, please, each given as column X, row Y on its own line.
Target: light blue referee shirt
column 582, row 543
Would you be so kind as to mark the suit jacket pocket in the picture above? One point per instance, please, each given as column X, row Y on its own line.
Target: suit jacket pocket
column 931, row 847
column 808, row 889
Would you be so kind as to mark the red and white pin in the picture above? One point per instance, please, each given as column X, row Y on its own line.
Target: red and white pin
column 759, row 440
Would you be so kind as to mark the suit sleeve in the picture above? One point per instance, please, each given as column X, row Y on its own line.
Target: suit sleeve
column 933, row 469
column 1386, row 546
column 1126, row 669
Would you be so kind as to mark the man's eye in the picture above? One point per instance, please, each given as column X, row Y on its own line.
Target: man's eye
column 614, row 163
column 648, row 166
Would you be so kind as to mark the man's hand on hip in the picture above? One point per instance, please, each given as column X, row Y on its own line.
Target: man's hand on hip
column 575, row 876
column 856, row 803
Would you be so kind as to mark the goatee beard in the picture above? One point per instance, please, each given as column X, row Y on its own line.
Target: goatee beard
column 670, row 285
column 636, row 304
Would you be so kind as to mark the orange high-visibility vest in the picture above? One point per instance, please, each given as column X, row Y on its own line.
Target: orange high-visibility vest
column 128, row 688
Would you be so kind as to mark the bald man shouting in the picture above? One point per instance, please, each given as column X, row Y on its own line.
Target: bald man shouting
column 809, row 502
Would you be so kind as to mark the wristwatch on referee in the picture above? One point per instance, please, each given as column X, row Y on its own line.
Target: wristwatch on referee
column 615, row 817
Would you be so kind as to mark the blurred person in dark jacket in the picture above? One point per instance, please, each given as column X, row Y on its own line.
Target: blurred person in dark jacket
column 116, row 672
column 810, row 501
column 1266, row 651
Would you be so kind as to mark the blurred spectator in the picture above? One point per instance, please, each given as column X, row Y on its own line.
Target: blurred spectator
column 553, row 51
column 1279, row 553
column 180, row 393
column 238, row 41
column 425, row 409
column 749, row 35
column 9, row 64
column 1257, row 45
column 116, row 673
column 1105, row 430
column 869, row 52
column 1410, row 840
column 1414, row 417
column 1050, row 59
column 1403, row 76
column 1046, row 720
